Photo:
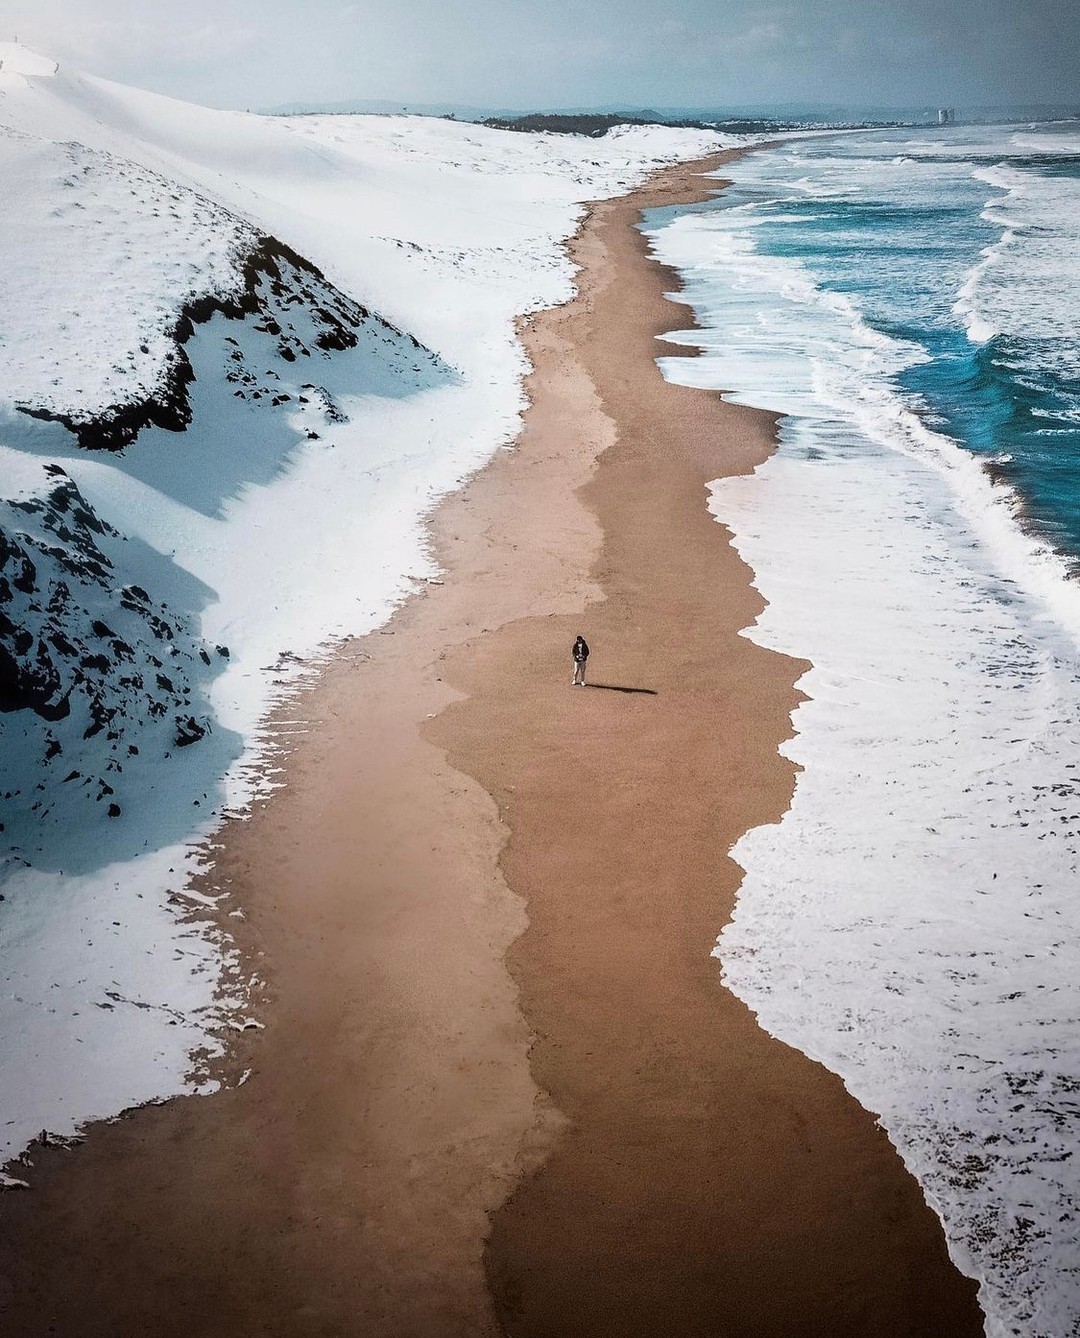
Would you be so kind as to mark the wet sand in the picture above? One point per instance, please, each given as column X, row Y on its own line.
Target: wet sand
column 500, row 1087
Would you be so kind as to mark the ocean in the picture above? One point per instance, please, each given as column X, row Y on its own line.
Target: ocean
column 910, row 300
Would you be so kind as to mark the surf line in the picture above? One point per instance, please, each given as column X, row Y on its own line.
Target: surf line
column 707, row 1169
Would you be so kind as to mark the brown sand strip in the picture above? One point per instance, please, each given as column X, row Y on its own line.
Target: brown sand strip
column 709, row 1180
column 712, row 1181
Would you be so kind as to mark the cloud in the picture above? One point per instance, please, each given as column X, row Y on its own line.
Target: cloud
column 125, row 35
column 565, row 52
column 759, row 37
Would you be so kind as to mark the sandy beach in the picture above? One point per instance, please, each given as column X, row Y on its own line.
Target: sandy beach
column 499, row 1087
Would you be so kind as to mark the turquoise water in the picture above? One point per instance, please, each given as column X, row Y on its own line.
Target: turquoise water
column 910, row 303
column 962, row 245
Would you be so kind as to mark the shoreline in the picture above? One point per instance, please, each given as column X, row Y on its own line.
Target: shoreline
column 397, row 1096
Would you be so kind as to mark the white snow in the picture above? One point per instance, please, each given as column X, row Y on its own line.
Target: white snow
column 283, row 522
column 17, row 61
column 116, row 252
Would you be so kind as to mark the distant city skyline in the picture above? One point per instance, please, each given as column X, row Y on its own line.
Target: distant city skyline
column 507, row 53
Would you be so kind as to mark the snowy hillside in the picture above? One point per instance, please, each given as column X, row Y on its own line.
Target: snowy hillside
column 145, row 259
column 240, row 357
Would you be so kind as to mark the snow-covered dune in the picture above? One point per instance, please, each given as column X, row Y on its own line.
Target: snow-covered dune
column 240, row 357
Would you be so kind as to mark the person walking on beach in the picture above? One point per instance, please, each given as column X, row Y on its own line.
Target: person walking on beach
column 580, row 652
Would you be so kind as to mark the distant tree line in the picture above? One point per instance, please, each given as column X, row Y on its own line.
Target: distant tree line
column 596, row 124
column 593, row 124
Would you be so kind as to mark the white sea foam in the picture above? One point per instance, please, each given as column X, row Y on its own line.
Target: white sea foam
column 1044, row 140
column 1027, row 283
column 912, row 921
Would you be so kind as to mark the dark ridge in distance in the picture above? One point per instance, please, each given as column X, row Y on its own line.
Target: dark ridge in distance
column 596, row 125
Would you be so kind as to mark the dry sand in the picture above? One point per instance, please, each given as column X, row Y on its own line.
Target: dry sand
column 485, row 904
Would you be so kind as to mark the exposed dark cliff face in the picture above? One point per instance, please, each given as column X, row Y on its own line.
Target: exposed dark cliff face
column 73, row 637
column 97, row 677
column 272, row 270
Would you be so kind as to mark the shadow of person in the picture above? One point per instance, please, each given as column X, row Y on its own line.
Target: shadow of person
column 614, row 687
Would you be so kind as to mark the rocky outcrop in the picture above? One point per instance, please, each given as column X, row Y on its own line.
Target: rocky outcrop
column 93, row 670
column 72, row 636
column 274, row 278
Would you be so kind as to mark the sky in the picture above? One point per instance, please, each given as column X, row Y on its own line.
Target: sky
column 570, row 53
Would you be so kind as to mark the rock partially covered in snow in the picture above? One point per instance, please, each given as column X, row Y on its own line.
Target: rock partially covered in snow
column 94, row 671
column 118, row 253
column 289, row 301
